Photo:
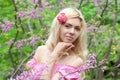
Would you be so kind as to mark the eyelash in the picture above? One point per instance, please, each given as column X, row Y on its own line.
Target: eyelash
column 77, row 29
column 67, row 26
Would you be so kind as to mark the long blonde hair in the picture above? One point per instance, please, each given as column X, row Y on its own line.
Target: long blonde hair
column 80, row 43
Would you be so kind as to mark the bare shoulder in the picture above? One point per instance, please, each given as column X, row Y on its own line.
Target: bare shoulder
column 41, row 53
column 41, row 48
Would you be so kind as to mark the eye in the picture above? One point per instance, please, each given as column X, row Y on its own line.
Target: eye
column 67, row 26
column 77, row 28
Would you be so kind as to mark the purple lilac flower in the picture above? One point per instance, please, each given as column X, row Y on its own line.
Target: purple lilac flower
column 8, row 23
column 24, row 40
column 34, row 40
column 51, row 7
column 10, row 42
column 34, row 73
column 91, row 29
column 28, row 75
column 92, row 60
column 21, row 15
column 34, row 1
column 41, row 9
column 19, row 45
column 6, row 26
column 90, row 63
column 38, row 16
column 43, row 3
column 32, row 14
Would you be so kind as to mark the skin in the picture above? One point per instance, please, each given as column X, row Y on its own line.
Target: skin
column 69, row 32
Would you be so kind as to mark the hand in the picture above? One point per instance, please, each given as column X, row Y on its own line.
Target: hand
column 62, row 47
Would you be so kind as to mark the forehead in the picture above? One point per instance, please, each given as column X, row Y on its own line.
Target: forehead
column 74, row 22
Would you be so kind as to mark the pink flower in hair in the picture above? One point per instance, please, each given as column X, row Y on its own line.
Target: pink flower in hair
column 62, row 18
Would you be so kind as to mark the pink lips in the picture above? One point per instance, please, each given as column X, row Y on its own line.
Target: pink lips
column 69, row 37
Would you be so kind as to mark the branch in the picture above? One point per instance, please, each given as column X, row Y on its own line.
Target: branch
column 81, row 1
column 9, row 50
column 29, row 26
column 109, row 49
column 104, row 8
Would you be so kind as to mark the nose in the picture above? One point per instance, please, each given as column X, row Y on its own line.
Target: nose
column 72, row 30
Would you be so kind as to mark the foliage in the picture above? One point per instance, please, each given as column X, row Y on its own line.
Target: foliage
column 28, row 23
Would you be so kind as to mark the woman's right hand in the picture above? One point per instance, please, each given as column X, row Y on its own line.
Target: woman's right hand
column 60, row 48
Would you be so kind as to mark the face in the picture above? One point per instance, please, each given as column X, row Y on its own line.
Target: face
column 70, row 31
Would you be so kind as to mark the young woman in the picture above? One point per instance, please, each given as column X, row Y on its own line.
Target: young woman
column 65, row 49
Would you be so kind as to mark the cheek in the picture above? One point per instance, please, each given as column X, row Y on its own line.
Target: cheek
column 63, row 31
column 77, row 34
column 61, row 35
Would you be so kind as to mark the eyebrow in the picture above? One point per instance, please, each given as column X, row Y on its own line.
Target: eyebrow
column 71, row 25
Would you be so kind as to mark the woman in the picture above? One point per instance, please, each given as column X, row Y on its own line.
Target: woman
column 65, row 49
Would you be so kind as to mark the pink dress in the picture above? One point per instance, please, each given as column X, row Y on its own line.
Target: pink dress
column 63, row 69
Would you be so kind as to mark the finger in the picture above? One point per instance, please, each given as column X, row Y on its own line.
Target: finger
column 70, row 47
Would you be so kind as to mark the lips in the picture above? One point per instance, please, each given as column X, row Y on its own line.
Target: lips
column 69, row 37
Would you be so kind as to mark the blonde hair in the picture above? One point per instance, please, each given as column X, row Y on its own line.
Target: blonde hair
column 80, row 43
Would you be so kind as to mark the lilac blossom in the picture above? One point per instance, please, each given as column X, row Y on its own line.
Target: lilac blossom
column 4, row 28
column 91, row 29
column 34, row 40
column 19, row 45
column 38, row 16
column 50, row 7
column 31, row 14
column 28, row 75
column 43, row 3
column 33, row 73
column 90, row 63
column 7, row 26
column 24, row 40
column 34, row 1
column 41, row 9
column 91, row 60
column 21, row 15
column 10, row 42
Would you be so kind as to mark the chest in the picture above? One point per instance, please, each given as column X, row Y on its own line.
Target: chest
column 69, row 60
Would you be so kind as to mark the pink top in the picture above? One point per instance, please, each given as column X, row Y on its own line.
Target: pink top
column 58, row 68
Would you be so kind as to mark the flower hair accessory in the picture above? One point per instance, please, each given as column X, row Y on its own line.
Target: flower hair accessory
column 62, row 18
